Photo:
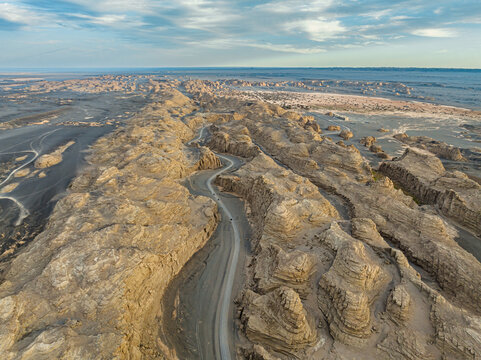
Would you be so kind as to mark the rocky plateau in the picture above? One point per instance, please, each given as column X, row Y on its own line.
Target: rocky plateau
column 378, row 284
column 345, row 261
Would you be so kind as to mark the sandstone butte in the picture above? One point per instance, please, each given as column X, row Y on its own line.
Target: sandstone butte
column 371, row 276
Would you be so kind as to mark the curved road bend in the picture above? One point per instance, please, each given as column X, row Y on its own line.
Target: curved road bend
column 23, row 212
column 204, row 290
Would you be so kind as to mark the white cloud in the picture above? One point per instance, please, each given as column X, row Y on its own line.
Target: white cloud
column 191, row 14
column 110, row 20
column 370, row 37
column 101, row 20
column 205, row 15
column 116, row 6
column 287, row 48
column 293, row 6
column 400, row 18
column 318, row 29
column 435, row 33
column 206, row 20
column 23, row 15
column 230, row 43
column 242, row 27
column 378, row 14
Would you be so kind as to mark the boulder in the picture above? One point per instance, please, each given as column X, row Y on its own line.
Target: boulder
column 346, row 134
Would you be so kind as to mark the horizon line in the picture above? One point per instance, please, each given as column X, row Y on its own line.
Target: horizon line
column 27, row 69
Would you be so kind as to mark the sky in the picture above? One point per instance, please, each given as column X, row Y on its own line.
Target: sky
column 283, row 33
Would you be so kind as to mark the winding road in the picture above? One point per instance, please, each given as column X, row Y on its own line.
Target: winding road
column 205, row 314
column 226, row 295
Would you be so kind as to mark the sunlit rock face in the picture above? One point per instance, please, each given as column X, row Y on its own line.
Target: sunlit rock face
column 342, row 262
column 423, row 175
column 89, row 285
column 353, row 277
column 349, row 288
column 279, row 320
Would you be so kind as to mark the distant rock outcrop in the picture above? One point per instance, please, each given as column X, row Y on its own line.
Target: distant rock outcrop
column 367, row 141
column 55, row 157
column 438, row 148
column 333, row 128
column 346, row 134
column 239, row 143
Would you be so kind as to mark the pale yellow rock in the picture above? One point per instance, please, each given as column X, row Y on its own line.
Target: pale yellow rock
column 399, row 304
column 355, row 312
column 406, row 344
column 21, row 173
column 423, row 175
column 21, row 158
column 276, row 267
column 9, row 188
column 457, row 332
column 365, row 229
column 333, row 128
column 354, row 281
column 90, row 285
column 439, row 148
column 279, row 320
column 346, row 134
column 54, row 158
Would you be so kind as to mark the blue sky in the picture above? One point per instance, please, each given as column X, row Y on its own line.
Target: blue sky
column 156, row 33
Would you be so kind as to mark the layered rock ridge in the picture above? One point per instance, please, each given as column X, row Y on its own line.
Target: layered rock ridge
column 439, row 148
column 422, row 174
column 390, row 282
column 90, row 285
column 285, row 209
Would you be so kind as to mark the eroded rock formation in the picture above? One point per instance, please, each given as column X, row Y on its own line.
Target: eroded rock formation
column 55, row 157
column 333, row 128
column 349, row 288
column 423, row 175
column 375, row 276
column 367, row 141
column 346, row 134
column 369, row 301
column 90, row 285
column 438, row 148
column 278, row 320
